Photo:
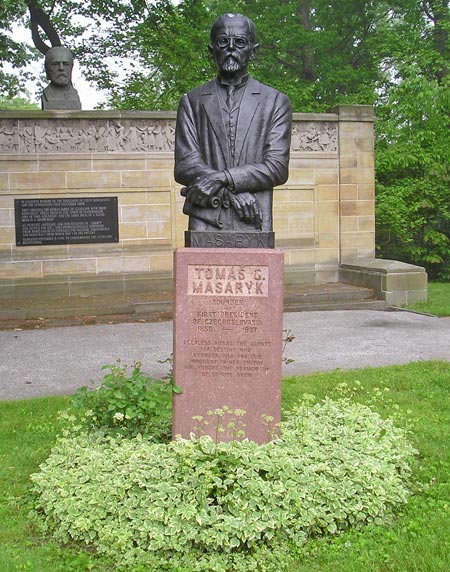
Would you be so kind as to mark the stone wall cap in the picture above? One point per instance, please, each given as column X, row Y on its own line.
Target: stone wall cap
column 341, row 112
column 296, row 116
column 381, row 265
column 130, row 114
column 88, row 114
column 354, row 112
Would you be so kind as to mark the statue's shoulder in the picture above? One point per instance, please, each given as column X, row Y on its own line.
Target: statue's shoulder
column 48, row 91
column 270, row 97
column 267, row 90
column 74, row 93
column 207, row 88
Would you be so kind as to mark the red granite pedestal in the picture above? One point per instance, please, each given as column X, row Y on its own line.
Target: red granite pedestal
column 228, row 325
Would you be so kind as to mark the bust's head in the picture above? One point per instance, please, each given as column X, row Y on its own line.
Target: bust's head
column 58, row 66
column 233, row 44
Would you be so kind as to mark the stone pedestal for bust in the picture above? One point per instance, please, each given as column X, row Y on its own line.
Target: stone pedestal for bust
column 228, row 342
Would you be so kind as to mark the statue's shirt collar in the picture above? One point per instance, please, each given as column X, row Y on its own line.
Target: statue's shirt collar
column 237, row 86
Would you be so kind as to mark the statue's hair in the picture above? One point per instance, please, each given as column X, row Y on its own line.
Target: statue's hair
column 53, row 50
column 226, row 17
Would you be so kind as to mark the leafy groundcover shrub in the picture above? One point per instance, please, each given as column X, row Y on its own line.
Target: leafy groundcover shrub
column 126, row 403
column 203, row 506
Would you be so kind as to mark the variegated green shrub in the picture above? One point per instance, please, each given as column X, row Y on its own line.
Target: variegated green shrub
column 204, row 506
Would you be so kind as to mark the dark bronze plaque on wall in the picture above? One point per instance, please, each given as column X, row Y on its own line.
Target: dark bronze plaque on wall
column 66, row 221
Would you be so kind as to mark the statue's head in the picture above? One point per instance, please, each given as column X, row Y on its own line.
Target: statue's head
column 59, row 65
column 233, row 43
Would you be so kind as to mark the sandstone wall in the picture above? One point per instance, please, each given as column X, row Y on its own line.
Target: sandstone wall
column 323, row 215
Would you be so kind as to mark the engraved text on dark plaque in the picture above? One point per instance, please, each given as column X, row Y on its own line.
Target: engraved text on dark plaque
column 66, row 221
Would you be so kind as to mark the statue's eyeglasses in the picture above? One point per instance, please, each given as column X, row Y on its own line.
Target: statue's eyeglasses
column 228, row 41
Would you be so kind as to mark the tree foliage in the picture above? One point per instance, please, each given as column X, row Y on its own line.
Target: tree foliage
column 16, row 103
column 394, row 54
column 12, row 53
column 413, row 146
column 147, row 54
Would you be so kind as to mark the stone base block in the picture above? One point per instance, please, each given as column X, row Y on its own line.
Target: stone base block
column 85, row 285
column 228, row 325
column 398, row 283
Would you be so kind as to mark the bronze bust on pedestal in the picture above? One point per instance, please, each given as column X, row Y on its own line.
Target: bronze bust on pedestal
column 60, row 93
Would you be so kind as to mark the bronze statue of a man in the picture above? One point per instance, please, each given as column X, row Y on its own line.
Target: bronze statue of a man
column 232, row 138
column 60, row 93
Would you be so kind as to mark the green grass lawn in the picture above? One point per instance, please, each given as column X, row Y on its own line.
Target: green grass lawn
column 438, row 300
column 416, row 541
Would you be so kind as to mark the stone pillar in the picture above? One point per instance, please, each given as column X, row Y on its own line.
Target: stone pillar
column 356, row 181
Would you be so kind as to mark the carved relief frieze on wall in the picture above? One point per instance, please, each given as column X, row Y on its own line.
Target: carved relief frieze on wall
column 86, row 136
column 314, row 136
column 9, row 136
column 130, row 136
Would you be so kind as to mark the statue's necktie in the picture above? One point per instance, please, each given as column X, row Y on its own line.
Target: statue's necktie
column 230, row 96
